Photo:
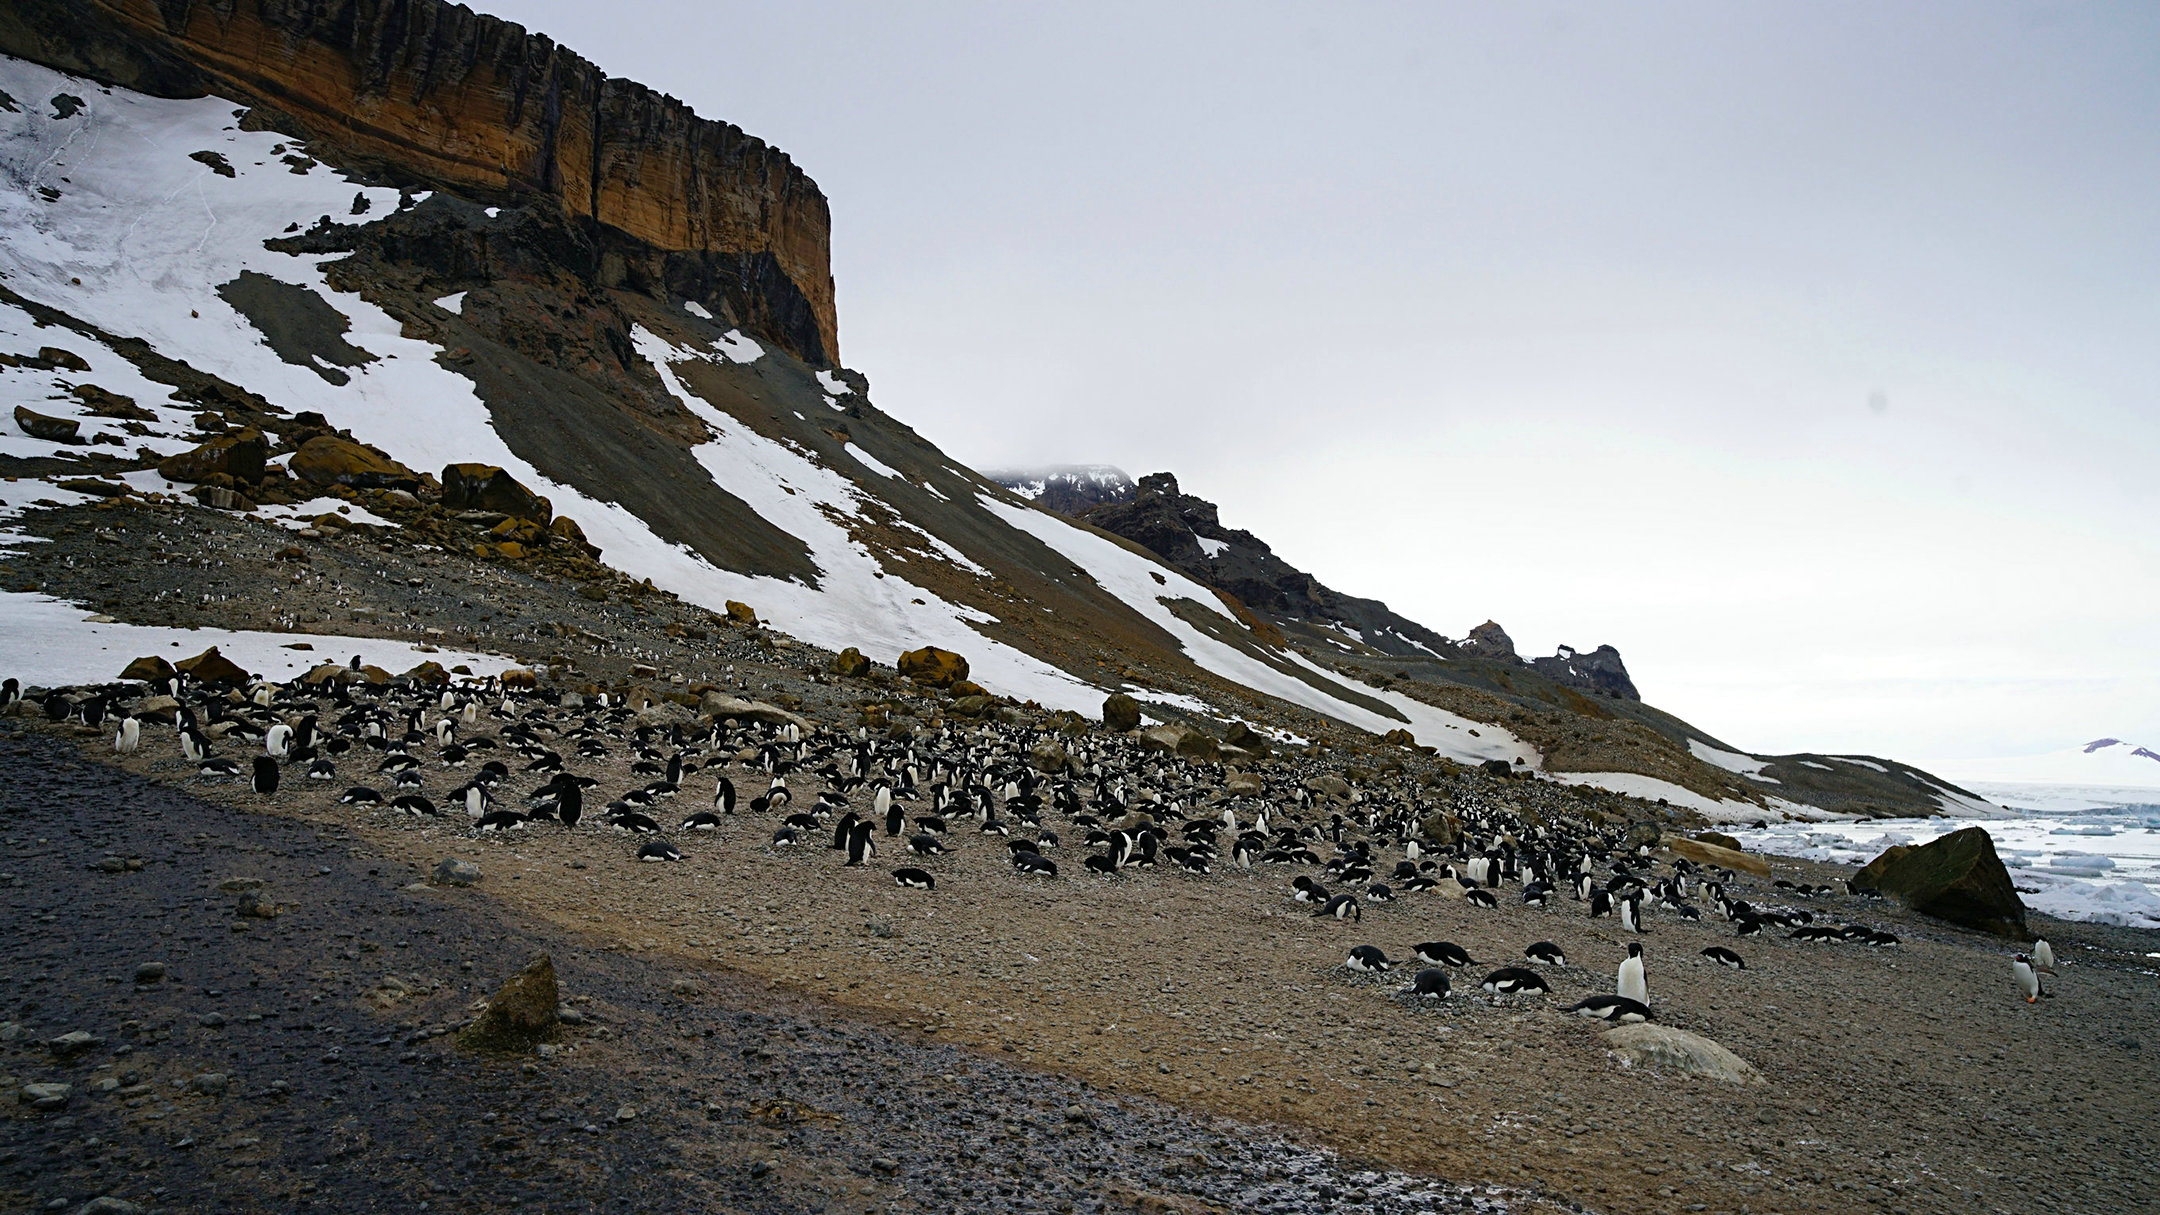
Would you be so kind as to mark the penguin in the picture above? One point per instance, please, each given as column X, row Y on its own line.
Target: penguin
column 500, row 820
column 659, row 850
column 1725, row 957
column 277, row 741
column 1747, row 926
column 895, row 818
column 360, row 795
column 861, row 844
column 842, row 830
column 914, row 879
column 1545, row 953
column 925, row 844
column 477, row 800
column 1616, row 1010
column 1342, row 907
column 1443, row 953
column 634, row 823
column 1481, row 897
column 1631, row 984
column 1432, row 984
column 129, row 736
column 266, row 775
column 10, row 692
column 1601, row 904
column 1509, row 980
column 1630, row 910
column 785, row 837
column 1035, row 864
column 2027, row 979
column 1369, row 959
column 703, row 820
column 2043, row 956
column 723, row 797
column 1302, row 888
column 218, row 767
column 193, row 746
column 570, row 806
column 322, row 769
column 413, row 804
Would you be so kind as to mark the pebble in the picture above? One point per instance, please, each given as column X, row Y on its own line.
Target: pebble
column 150, row 972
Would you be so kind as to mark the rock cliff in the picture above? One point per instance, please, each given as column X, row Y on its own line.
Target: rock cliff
column 428, row 94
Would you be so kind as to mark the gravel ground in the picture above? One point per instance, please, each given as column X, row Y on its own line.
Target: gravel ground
column 304, row 1063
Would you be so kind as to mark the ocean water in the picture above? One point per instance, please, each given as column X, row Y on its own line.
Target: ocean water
column 2074, row 852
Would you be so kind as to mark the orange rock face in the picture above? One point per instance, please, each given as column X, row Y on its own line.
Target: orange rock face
column 477, row 105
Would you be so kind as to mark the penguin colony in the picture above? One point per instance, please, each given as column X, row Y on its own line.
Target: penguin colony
column 504, row 760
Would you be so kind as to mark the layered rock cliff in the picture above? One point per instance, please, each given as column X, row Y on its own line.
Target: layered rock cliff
column 433, row 95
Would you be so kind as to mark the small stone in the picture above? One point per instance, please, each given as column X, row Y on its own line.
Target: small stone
column 46, row 1097
column 885, row 1164
column 570, row 1016
column 150, row 972
column 627, row 1113
column 760, row 1168
column 211, row 1020
column 209, row 1084
column 73, row 1045
column 106, row 1205
column 455, row 872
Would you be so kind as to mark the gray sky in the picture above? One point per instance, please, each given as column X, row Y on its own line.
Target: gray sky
column 1809, row 354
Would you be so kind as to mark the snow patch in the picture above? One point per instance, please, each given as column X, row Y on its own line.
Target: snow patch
column 833, row 384
column 453, row 303
column 1213, row 548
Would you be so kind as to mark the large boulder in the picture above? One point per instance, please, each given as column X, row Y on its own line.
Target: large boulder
column 1245, row 738
column 1956, row 878
column 1181, row 741
column 1680, row 1051
column 717, row 705
column 329, row 460
column 50, row 429
column 150, row 668
column 239, row 455
column 213, row 669
column 1711, row 854
column 1120, row 713
column 486, row 487
column 850, row 663
column 521, row 1013
column 933, row 666
column 1442, row 828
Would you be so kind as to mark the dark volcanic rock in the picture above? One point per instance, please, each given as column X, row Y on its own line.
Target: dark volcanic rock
column 1489, row 640
column 1121, row 712
column 1599, row 672
column 239, row 455
column 1956, row 878
column 329, row 460
column 50, row 429
column 1068, row 489
column 520, row 1014
column 486, row 487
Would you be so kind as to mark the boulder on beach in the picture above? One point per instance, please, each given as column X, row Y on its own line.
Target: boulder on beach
column 1956, row 878
column 486, row 487
column 1680, row 1051
column 1713, row 854
column 213, row 669
column 1120, row 712
column 933, row 666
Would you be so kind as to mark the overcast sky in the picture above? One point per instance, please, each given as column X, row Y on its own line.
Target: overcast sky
column 1808, row 354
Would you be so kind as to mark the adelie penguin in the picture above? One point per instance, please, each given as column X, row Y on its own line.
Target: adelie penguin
column 1617, row 1010
column 659, row 850
column 914, row 879
column 1481, row 897
column 1443, row 953
column 1510, row 980
column 1630, row 910
column 1430, row 984
column 2026, row 978
column 1368, row 958
column 128, row 737
column 1630, row 983
column 1725, row 957
column 1545, row 953
column 266, row 775
column 703, row 820
column 1342, row 907
column 861, row 845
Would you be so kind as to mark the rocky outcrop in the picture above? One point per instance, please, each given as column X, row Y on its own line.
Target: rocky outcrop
column 1956, row 878
column 933, row 666
column 1187, row 534
column 1120, row 712
column 486, row 487
column 1678, row 1050
column 239, row 455
column 523, row 1012
column 1068, row 489
column 329, row 460
column 1489, row 640
column 438, row 95
column 1599, row 672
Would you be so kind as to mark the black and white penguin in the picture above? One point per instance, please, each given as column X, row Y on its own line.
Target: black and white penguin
column 1431, row 984
column 277, row 740
column 129, row 736
column 1510, row 980
column 1601, row 904
column 1481, row 898
column 193, row 746
column 1302, row 888
column 1034, row 864
column 885, row 807
column 786, row 837
column 10, row 692
column 1617, row 1010
column 1725, row 957
column 925, row 844
column 723, row 797
column 218, row 767
column 1630, row 910
column 1367, row 958
column 570, row 806
column 2043, row 956
column 861, row 843
column 266, row 775
column 360, row 795
column 500, row 820
column 1545, row 953
column 1747, row 926
column 1631, row 984
column 914, row 879
column 659, row 850
column 413, row 804
column 703, row 820
column 1342, row 907
column 2026, row 978
column 322, row 769
column 1443, row 953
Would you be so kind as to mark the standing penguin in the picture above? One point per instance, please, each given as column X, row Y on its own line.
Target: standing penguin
column 129, row 736
column 2027, row 979
column 723, row 797
column 193, row 745
column 861, row 843
column 2043, row 956
column 266, row 775
column 277, row 741
column 883, row 806
column 570, row 805
column 1632, row 985
column 1630, row 910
